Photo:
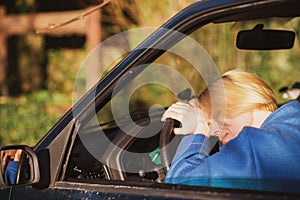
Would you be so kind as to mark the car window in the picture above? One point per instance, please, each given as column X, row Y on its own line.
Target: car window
column 121, row 140
column 271, row 65
column 131, row 123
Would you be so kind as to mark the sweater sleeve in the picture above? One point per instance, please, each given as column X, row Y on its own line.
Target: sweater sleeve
column 192, row 151
column 10, row 173
column 192, row 164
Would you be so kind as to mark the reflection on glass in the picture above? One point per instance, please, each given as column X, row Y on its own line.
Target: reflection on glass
column 15, row 166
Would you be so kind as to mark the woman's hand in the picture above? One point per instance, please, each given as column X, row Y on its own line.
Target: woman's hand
column 9, row 155
column 192, row 119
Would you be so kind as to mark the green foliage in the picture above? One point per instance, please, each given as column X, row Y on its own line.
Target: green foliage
column 31, row 61
column 62, row 69
column 26, row 119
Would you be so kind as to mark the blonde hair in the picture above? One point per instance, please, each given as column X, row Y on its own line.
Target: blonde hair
column 237, row 92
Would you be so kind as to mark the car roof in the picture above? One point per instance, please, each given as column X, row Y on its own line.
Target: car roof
column 235, row 10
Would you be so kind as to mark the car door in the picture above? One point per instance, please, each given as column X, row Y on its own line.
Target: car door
column 107, row 147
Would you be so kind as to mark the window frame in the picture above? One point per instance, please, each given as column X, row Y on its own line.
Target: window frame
column 103, row 89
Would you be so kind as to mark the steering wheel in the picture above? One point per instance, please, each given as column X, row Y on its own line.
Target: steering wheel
column 166, row 135
column 165, row 138
column 167, row 149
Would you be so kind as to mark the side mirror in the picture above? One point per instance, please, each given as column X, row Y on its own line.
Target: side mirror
column 263, row 39
column 19, row 166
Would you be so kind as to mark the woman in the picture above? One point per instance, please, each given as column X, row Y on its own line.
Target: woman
column 259, row 142
column 9, row 165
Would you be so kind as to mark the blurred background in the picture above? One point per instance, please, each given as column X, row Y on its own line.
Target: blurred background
column 38, row 66
column 39, row 61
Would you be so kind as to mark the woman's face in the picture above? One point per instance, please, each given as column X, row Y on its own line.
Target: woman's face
column 229, row 128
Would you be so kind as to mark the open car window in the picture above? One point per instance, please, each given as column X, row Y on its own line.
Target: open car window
column 121, row 140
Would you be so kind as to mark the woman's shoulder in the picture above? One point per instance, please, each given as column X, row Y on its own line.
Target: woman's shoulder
column 288, row 112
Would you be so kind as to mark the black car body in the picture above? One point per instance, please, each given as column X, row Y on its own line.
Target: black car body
column 66, row 167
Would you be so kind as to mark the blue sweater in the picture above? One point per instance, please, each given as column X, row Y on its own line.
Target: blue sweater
column 267, row 158
column 10, row 173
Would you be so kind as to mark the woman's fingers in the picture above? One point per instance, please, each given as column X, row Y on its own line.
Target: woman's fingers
column 173, row 114
column 184, row 113
column 175, row 111
column 194, row 102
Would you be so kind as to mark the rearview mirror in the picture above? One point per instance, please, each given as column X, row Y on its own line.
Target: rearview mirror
column 260, row 39
column 19, row 166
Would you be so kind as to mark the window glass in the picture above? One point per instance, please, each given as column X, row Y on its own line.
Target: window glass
column 126, row 130
column 270, row 65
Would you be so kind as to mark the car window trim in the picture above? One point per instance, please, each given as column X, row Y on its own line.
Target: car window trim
column 151, row 189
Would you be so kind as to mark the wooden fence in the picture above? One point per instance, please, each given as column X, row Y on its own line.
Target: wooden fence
column 23, row 24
